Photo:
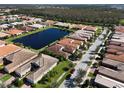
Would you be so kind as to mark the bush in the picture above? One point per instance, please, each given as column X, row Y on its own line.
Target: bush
column 68, row 76
column 33, row 85
column 72, row 71
column 70, row 64
column 65, row 68
column 18, row 83
column 86, row 83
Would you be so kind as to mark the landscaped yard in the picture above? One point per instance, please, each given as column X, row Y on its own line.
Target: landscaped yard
column 5, row 77
column 57, row 71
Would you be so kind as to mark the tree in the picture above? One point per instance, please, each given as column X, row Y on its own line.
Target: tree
column 18, row 82
column 69, row 83
column 70, row 64
column 81, row 73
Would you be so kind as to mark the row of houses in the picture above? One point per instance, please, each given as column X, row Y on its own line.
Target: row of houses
column 111, row 72
column 22, row 61
column 67, row 46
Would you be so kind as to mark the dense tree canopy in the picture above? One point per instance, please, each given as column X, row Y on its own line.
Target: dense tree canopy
column 83, row 15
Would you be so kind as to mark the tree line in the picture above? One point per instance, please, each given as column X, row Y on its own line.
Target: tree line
column 75, row 15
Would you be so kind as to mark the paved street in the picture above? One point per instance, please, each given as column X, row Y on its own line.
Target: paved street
column 83, row 64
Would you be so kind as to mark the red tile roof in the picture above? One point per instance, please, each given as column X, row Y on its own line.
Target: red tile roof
column 119, row 48
column 27, row 28
column 8, row 49
column 119, row 28
column 57, row 49
column 90, row 28
column 115, row 57
column 14, row 31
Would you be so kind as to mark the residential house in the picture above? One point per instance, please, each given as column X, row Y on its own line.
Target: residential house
column 50, row 22
column 4, row 35
column 103, row 81
column 14, row 32
column 58, row 50
column 2, row 43
column 113, row 64
column 37, row 26
column 18, row 59
column 90, row 28
column 7, row 50
column 110, row 73
column 48, row 63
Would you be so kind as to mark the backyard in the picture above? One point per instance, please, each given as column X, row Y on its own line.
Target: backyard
column 5, row 77
column 52, row 77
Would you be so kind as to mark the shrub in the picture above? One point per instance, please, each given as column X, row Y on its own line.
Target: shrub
column 18, row 83
column 68, row 76
column 86, row 83
column 70, row 64
column 72, row 71
column 65, row 68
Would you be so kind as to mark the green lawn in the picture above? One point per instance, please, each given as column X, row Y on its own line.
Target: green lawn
column 121, row 21
column 91, row 74
column 60, row 71
column 5, row 77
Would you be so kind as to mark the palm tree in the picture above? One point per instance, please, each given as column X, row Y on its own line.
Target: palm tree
column 69, row 83
column 81, row 73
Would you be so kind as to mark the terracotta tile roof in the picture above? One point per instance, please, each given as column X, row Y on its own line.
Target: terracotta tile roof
column 119, row 28
column 49, row 62
column 27, row 28
column 50, row 22
column 14, row 31
column 77, row 26
column 8, row 49
column 113, row 63
column 112, row 51
column 2, row 42
column 115, row 43
column 90, row 28
column 119, row 48
column 57, row 49
column 115, row 57
column 70, row 41
column 111, row 73
column 19, row 58
column 69, row 49
column 2, row 35
column 77, row 42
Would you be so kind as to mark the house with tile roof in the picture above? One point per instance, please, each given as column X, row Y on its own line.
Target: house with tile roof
column 48, row 64
column 18, row 59
column 14, row 32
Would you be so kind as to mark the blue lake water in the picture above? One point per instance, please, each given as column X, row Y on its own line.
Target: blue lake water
column 41, row 39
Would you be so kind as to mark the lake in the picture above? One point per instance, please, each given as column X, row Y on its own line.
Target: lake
column 41, row 39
